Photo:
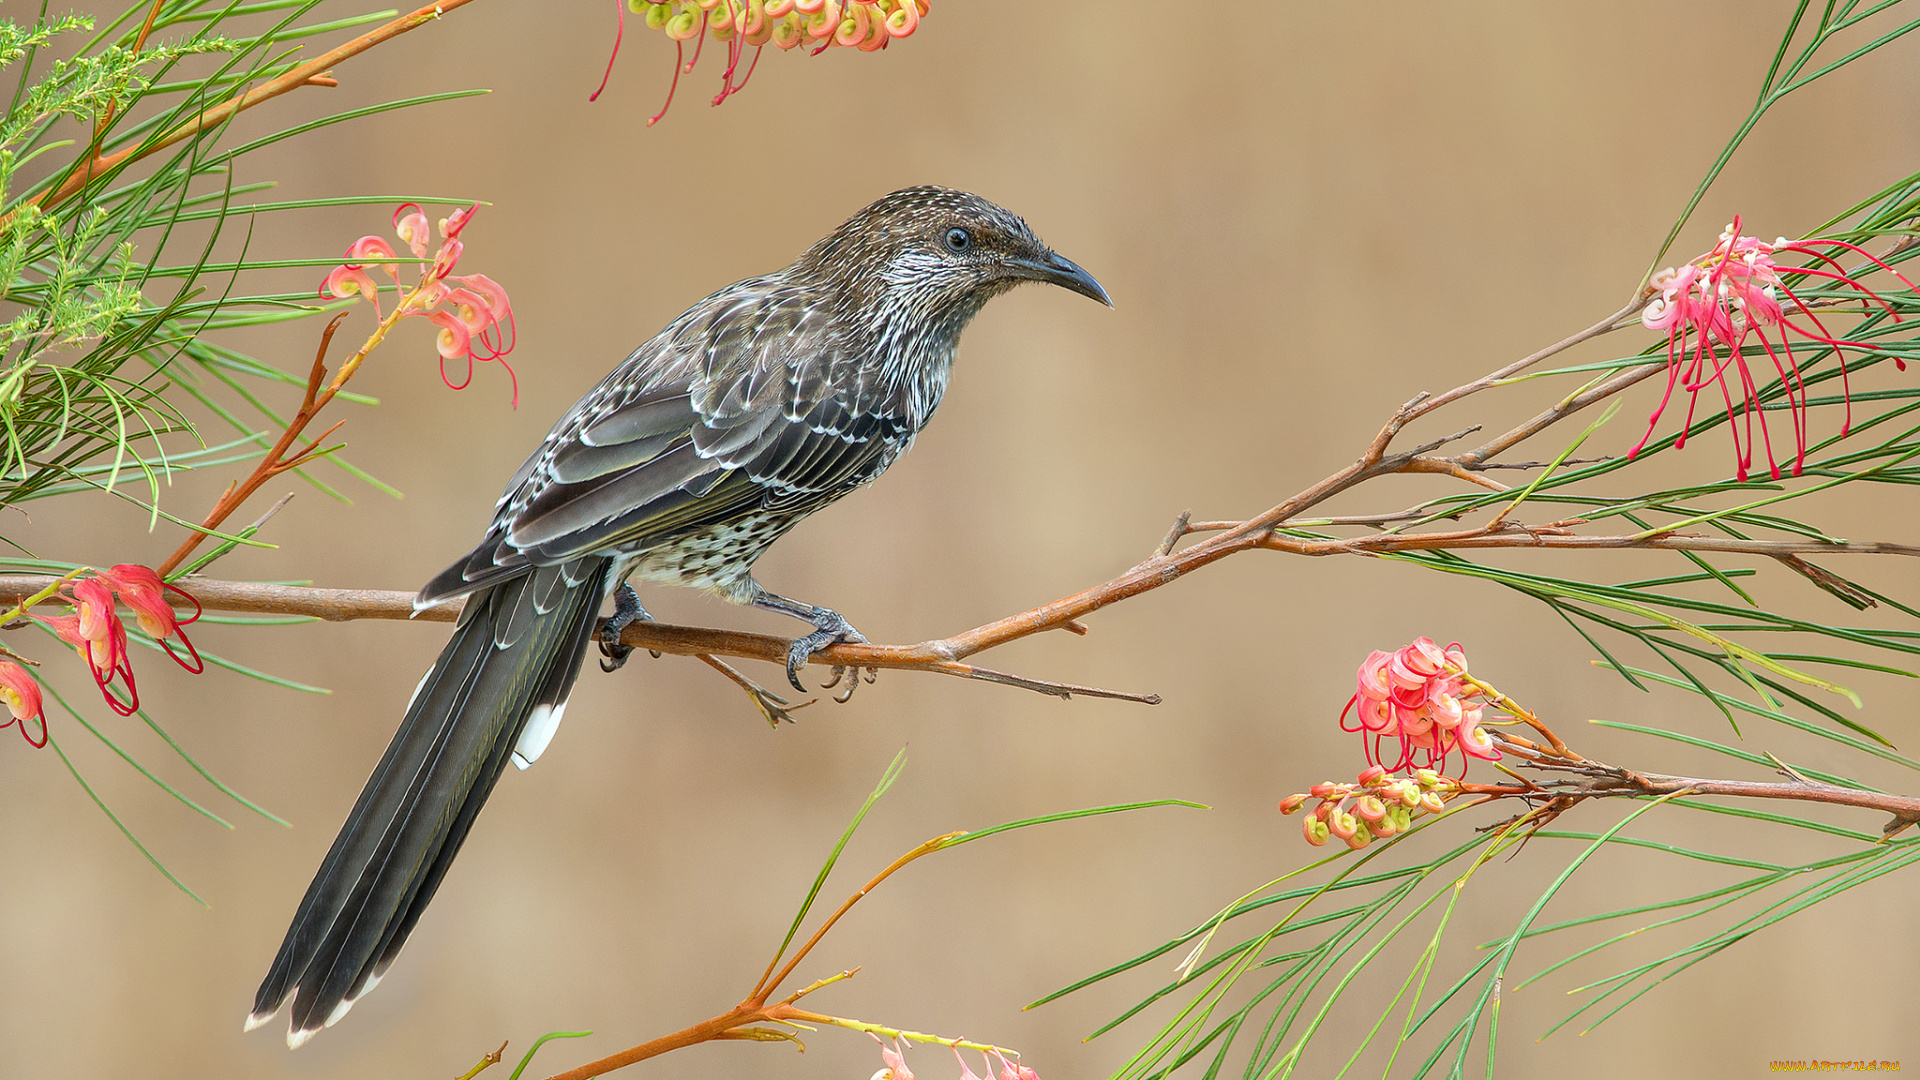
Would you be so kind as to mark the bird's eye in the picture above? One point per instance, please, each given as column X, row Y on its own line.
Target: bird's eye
column 959, row 240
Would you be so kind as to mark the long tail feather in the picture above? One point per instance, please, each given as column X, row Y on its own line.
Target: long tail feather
column 516, row 652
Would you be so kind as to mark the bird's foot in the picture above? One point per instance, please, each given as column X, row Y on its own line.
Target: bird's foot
column 830, row 628
column 626, row 612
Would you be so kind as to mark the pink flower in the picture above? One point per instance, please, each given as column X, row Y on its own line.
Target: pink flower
column 141, row 589
column 106, row 655
column 1374, row 681
column 96, row 631
column 456, row 220
column 480, row 323
column 21, row 693
column 1417, row 695
column 348, row 281
column 1714, row 308
column 93, row 600
column 452, row 339
column 410, row 222
column 373, row 249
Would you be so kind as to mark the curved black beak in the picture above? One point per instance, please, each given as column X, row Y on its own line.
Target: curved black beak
column 1059, row 270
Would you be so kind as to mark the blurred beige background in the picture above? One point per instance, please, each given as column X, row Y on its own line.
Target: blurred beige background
column 1302, row 221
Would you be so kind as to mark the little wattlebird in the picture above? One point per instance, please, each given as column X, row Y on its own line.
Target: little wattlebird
column 763, row 403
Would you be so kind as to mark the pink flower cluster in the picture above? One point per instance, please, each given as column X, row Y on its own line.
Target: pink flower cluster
column 867, row 25
column 1418, row 695
column 94, row 628
column 1715, row 306
column 894, row 1060
column 1379, row 805
column 472, row 311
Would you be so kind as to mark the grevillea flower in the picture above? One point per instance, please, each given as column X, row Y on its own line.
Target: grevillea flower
column 478, row 320
column 1376, row 806
column 95, row 630
column 141, row 589
column 867, row 25
column 1717, row 307
column 21, row 693
column 1418, row 695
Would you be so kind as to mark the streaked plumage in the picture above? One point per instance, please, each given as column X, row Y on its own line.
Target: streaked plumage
column 761, row 404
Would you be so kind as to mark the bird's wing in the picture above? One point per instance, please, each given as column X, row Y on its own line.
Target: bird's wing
column 749, row 402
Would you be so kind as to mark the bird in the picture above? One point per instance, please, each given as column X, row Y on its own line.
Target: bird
column 759, row 405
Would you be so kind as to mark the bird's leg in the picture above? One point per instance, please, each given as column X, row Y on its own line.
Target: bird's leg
column 829, row 628
column 626, row 612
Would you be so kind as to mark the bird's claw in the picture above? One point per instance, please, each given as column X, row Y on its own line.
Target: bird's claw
column 626, row 612
column 852, row 677
column 830, row 628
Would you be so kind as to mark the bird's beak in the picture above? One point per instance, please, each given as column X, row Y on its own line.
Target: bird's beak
column 1062, row 271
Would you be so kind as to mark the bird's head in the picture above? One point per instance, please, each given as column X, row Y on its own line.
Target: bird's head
column 938, row 254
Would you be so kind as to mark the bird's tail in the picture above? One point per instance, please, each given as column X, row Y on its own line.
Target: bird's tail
column 497, row 690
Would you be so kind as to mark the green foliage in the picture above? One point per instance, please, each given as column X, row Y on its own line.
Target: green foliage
column 125, row 237
column 1255, row 1005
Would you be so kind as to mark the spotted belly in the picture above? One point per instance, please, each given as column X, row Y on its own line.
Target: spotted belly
column 718, row 559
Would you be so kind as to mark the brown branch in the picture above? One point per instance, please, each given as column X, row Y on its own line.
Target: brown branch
column 1575, row 779
column 1493, row 378
column 343, row 605
column 276, row 460
column 311, row 73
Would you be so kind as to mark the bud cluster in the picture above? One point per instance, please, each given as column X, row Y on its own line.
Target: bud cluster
column 867, row 25
column 1376, row 805
column 472, row 311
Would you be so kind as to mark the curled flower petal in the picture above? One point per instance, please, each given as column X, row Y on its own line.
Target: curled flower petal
column 1478, row 741
column 1343, row 824
column 371, row 249
column 93, row 600
column 141, row 589
column 21, row 694
column 346, row 281
column 445, row 259
column 410, row 224
column 1425, row 657
column 453, row 338
column 903, row 21
column 1315, row 830
column 1373, row 679
column 451, row 225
